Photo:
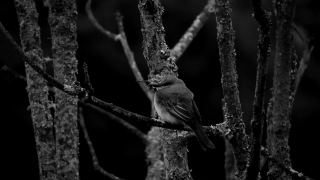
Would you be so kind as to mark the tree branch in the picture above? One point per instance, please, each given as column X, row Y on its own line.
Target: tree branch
column 130, row 57
column 229, row 162
column 303, row 65
column 13, row 73
column 124, row 42
column 288, row 169
column 42, row 119
column 264, row 47
column 95, row 161
column 155, row 49
column 97, row 25
column 232, row 106
column 193, row 30
column 217, row 130
column 279, row 122
column 62, row 22
column 133, row 129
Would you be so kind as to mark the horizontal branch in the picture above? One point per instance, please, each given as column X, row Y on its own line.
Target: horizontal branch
column 133, row 129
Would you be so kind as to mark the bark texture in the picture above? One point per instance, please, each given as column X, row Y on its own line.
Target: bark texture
column 231, row 100
column 160, row 64
column 37, row 89
column 62, row 17
column 155, row 49
column 264, row 47
column 279, row 122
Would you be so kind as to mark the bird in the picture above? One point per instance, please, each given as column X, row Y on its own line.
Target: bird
column 174, row 103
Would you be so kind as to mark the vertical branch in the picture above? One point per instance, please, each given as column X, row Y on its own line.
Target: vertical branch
column 160, row 63
column 37, row 89
column 264, row 47
column 155, row 156
column 232, row 106
column 62, row 16
column 279, row 123
column 229, row 162
column 155, row 49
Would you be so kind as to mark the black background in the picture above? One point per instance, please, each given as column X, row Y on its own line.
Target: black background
column 118, row 150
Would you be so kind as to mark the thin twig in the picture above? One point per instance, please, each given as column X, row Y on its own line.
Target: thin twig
column 264, row 47
column 297, row 30
column 87, row 82
column 13, row 73
column 304, row 62
column 288, row 169
column 124, row 42
column 95, row 161
column 133, row 129
column 97, row 25
column 193, row 30
column 130, row 57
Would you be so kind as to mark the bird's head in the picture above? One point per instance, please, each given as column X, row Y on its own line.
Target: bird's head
column 166, row 81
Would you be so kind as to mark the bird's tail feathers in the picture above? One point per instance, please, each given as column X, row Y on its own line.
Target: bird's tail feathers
column 203, row 139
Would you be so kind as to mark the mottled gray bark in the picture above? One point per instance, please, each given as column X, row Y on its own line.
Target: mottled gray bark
column 279, row 121
column 37, row 89
column 231, row 100
column 160, row 63
column 264, row 47
column 62, row 20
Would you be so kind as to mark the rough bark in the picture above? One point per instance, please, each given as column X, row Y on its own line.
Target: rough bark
column 231, row 100
column 279, row 122
column 155, row 49
column 37, row 89
column 62, row 16
column 264, row 47
column 157, row 55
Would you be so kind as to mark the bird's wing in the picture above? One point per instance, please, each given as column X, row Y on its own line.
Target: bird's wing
column 196, row 110
column 178, row 110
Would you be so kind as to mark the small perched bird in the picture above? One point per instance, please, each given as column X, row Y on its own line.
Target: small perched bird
column 174, row 103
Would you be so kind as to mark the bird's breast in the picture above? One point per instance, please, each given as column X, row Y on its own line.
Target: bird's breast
column 164, row 114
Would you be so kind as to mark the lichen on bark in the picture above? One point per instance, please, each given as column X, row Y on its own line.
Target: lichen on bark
column 37, row 89
column 160, row 63
column 231, row 100
column 62, row 21
column 155, row 49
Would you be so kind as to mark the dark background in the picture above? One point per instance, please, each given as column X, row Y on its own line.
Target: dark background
column 118, row 150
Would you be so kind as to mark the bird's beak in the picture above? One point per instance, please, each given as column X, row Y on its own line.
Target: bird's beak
column 151, row 84
column 154, row 84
